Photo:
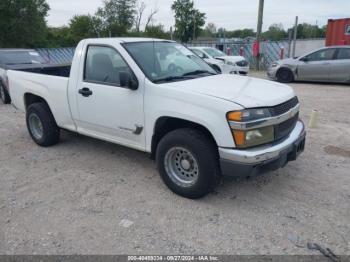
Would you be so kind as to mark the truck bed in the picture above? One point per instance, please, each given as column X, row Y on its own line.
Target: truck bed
column 62, row 70
column 43, row 83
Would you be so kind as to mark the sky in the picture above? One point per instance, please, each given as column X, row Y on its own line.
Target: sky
column 230, row 14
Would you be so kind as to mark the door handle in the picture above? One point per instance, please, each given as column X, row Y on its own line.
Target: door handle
column 85, row 92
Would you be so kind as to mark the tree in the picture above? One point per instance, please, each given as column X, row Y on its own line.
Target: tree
column 117, row 16
column 140, row 11
column 306, row 30
column 83, row 26
column 156, row 31
column 188, row 20
column 23, row 23
column 241, row 33
column 59, row 37
column 210, row 30
column 276, row 32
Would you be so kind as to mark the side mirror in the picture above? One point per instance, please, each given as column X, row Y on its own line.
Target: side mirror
column 128, row 81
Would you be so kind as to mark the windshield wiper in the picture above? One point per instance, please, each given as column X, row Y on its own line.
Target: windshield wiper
column 171, row 78
column 199, row 72
column 26, row 63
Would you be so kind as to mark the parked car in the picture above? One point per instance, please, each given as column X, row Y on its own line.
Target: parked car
column 222, row 62
column 23, row 60
column 330, row 64
column 198, row 125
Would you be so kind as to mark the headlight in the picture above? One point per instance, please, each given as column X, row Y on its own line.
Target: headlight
column 274, row 64
column 253, row 137
column 248, row 115
column 244, row 139
column 229, row 63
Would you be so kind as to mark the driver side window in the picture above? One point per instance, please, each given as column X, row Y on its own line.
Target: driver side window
column 323, row 55
column 103, row 65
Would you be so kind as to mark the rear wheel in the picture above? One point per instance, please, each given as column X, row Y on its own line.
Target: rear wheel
column 188, row 163
column 4, row 97
column 284, row 75
column 41, row 125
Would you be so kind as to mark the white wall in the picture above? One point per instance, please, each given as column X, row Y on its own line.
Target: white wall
column 306, row 46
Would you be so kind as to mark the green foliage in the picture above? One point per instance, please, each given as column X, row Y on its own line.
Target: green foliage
column 22, row 23
column 241, row 33
column 210, row 30
column 275, row 33
column 156, row 31
column 188, row 20
column 59, row 37
column 310, row 31
column 83, row 26
column 116, row 16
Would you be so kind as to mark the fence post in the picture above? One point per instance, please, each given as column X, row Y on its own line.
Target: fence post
column 241, row 51
column 282, row 53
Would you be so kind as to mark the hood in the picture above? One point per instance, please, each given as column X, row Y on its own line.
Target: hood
column 233, row 59
column 248, row 92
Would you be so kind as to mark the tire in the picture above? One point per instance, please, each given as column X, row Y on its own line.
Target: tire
column 284, row 75
column 183, row 145
column 41, row 125
column 4, row 96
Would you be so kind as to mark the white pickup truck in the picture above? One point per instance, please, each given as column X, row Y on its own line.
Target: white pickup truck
column 197, row 124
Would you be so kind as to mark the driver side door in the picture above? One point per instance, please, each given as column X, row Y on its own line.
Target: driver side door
column 108, row 110
column 316, row 66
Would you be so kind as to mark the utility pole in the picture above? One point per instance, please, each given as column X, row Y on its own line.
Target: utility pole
column 259, row 30
column 295, row 36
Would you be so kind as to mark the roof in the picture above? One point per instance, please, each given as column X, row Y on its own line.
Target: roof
column 131, row 39
column 200, row 47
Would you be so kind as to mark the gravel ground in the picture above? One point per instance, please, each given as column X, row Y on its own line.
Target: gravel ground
column 85, row 196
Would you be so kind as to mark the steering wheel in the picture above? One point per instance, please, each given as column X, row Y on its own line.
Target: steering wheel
column 172, row 68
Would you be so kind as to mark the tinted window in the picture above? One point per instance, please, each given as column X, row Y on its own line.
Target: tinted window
column 20, row 57
column 344, row 53
column 323, row 55
column 103, row 65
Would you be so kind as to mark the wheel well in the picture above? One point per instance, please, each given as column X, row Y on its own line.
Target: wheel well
column 165, row 125
column 285, row 68
column 30, row 99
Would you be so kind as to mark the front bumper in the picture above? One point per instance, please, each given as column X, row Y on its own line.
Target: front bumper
column 272, row 71
column 255, row 161
column 235, row 70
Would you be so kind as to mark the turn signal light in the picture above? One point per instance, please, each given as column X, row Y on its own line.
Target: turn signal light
column 234, row 116
column 239, row 138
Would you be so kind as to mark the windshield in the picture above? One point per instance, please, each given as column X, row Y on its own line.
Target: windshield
column 167, row 61
column 214, row 52
column 20, row 57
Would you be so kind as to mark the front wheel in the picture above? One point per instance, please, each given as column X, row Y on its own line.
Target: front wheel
column 284, row 75
column 41, row 125
column 4, row 97
column 188, row 163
